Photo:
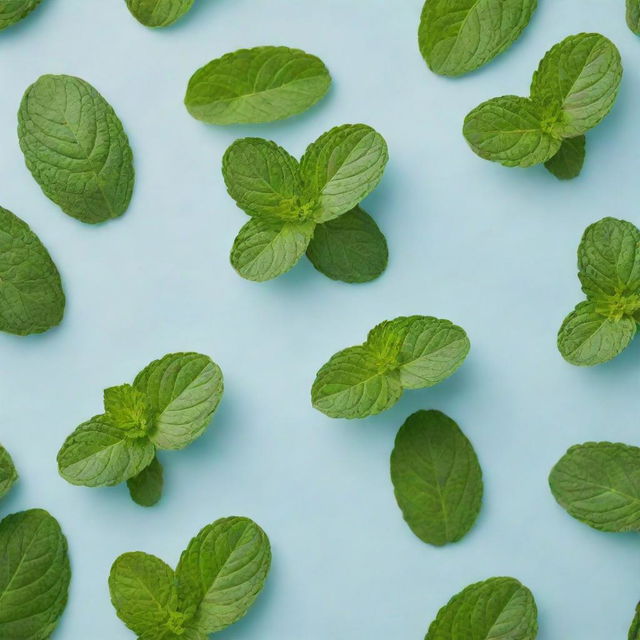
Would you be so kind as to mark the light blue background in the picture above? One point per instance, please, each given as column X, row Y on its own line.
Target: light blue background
column 490, row 248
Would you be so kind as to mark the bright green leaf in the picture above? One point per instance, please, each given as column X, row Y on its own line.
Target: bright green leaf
column 8, row 473
column 568, row 162
column 458, row 36
column 76, row 148
column 158, row 13
column 12, row 11
column 350, row 248
column 436, row 477
column 31, row 295
column 257, row 85
column 634, row 630
column 146, row 487
column 128, row 409
column 633, row 17
column 34, row 575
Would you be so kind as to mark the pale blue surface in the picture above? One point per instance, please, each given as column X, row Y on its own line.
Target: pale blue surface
column 490, row 248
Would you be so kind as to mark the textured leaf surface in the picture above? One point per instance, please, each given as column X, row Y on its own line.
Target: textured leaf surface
column 497, row 609
column 223, row 569
column 98, row 454
column 579, row 80
column 436, row 477
column 128, row 409
column 458, row 36
column 76, row 148
column 509, row 130
column 342, row 167
column 31, row 295
column 568, row 162
column 350, row 248
column 34, row 575
column 598, row 483
column 184, row 390
column 265, row 249
column 633, row 17
column 634, row 630
column 8, row 473
column 355, row 383
column 587, row 338
column 12, row 11
column 158, row 13
column 257, row 85
column 263, row 179
column 146, row 487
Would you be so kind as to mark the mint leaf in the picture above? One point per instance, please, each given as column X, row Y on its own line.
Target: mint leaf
column 184, row 390
column 146, row 488
column 35, row 575
column 568, row 162
column 31, row 295
column 350, row 248
column 341, row 168
column 222, row 571
column 8, row 473
column 587, row 338
column 496, row 609
column 510, row 130
column 12, row 11
column 578, row 79
column 263, row 179
column 598, row 483
column 436, row 477
column 129, row 410
column 76, row 148
column 97, row 454
column 458, row 37
column 634, row 631
column 262, row 84
column 158, row 13
column 633, row 15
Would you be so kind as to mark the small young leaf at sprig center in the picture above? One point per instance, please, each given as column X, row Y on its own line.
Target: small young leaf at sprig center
column 406, row 353
column 436, row 477
column 601, row 327
column 158, row 13
column 598, row 483
column 291, row 201
column 568, row 162
column 76, row 148
column 458, row 37
column 633, row 15
column 496, row 608
column 12, row 11
column 218, row 578
column 129, row 410
column 35, row 575
column 31, row 296
column 256, row 85
column 8, row 473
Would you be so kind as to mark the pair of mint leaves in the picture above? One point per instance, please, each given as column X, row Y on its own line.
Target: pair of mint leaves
column 574, row 88
column 219, row 576
column 603, row 325
column 158, row 13
column 409, row 352
column 13, row 11
column 168, row 406
column 297, row 207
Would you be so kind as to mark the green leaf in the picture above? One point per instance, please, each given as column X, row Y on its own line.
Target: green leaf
column 350, row 248
column 35, row 575
column 158, row 13
column 598, row 483
column 587, row 338
column 510, row 130
column 12, row 11
column 496, row 609
column 568, row 162
column 222, row 571
column 129, row 410
column 98, row 454
column 263, row 179
column 8, row 473
column 76, row 148
column 609, row 266
column 460, row 36
column 436, row 477
column 342, row 167
column 31, row 295
column 355, row 383
column 633, row 17
column 262, row 84
column 634, row 631
column 184, row 390
column 146, row 487
column 265, row 249
column 578, row 80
